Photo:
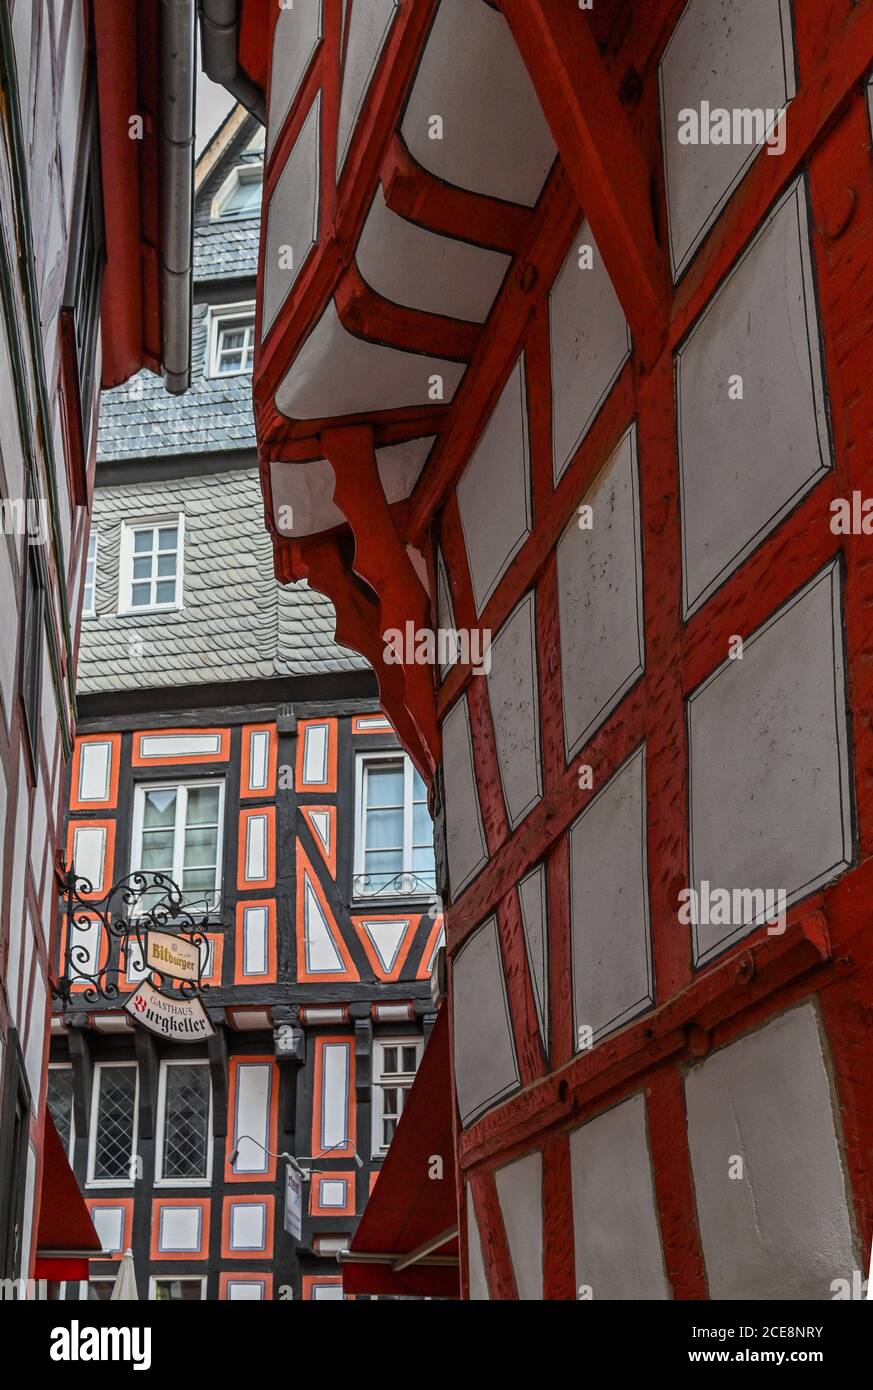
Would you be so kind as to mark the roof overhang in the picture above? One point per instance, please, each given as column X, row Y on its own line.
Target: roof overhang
column 406, row 1242
column 145, row 61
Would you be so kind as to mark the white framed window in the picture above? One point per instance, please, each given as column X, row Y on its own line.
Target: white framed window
column 164, row 1288
column 178, row 830
column 114, row 1123
column 393, row 830
column 240, row 194
column 150, row 578
column 59, row 1099
column 89, row 593
column 232, row 340
column 183, row 1148
column 395, row 1062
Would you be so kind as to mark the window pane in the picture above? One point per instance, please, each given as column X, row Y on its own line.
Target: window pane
column 142, row 567
column 200, row 846
column 166, row 591
column 384, row 830
column 143, row 541
column 186, row 1122
column 157, row 852
column 422, row 829
column 167, row 537
column 202, row 805
column 178, row 1290
column 409, row 1059
column 167, row 564
column 140, row 595
column 198, row 885
column 388, row 1128
column 389, row 1059
column 60, row 1102
column 382, row 865
column 419, row 790
column 160, row 808
column 385, row 786
column 113, row 1143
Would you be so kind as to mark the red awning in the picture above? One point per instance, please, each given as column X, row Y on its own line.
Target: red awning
column 407, row 1242
column 66, row 1237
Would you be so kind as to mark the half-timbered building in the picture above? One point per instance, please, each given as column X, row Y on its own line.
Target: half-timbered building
column 562, row 336
column 95, row 243
column 228, row 741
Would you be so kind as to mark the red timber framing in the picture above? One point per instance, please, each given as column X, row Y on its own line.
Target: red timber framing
column 596, row 76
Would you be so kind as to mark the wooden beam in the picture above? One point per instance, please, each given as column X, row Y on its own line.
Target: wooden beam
column 601, row 154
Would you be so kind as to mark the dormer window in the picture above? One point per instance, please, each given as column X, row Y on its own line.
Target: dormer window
column 240, row 194
column 232, row 340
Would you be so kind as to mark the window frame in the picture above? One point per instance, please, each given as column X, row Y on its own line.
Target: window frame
column 381, row 1079
column 363, row 761
column 136, row 830
column 155, row 1279
column 125, row 564
column 224, row 318
column 160, row 1127
column 91, row 1181
column 93, row 538
column 252, row 172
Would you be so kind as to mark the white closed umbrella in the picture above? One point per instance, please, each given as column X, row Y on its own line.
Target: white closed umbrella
column 124, row 1287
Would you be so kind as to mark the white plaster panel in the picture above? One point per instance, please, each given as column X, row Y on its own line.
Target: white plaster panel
column 179, row 745
column 322, row 956
column 445, row 612
column 535, row 924
column 590, row 343
column 732, row 54
column 255, row 953
column 609, row 904
column 245, row 1290
column 336, row 374
column 514, row 700
column 252, row 1115
column 303, row 501
column 9, row 599
column 466, row 847
column 615, row 1219
column 600, row 599
column 475, row 1263
column 86, row 941
column 95, row 765
column 179, row 1228
column 368, row 30
column 259, row 755
column 413, row 266
column 770, row 796
column 495, row 138
column 745, row 463
column 335, row 1094
column 109, row 1225
column 292, row 220
column 387, row 938
column 248, row 1226
column 399, row 466
column 315, row 753
column 89, row 849
column 36, row 1035
column 256, row 849
column 782, row 1229
column 486, row 1069
column 295, row 39
column 74, row 70
column 520, row 1190
column 494, row 490
column 332, row 1192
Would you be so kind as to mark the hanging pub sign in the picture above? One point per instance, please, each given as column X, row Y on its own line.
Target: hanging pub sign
column 175, row 956
column 180, row 1020
column 293, row 1222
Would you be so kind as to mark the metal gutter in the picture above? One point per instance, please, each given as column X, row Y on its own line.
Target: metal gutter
column 177, row 111
column 219, row 46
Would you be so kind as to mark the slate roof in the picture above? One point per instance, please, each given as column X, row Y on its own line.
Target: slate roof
column 237, row 623
column 141, row 419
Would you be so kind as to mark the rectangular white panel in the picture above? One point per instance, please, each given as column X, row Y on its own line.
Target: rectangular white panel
column 252, row 1115
column 486, row 1069
column 180, row 1228
column 255, row 954
column 768, row 1172
column 315, row 753
column 36, row 1035
column 617, row 1236
column 179, row 745
column 256, row 849
column 109, row 1224
column 85, row 945
column 95, row 764
column 520, row 1190
column 245, row 1290
column 248, row 1226
column 466, row 846
column 89, row 849
column 259, row 759
column 334, row 1093
column 332, row 1192
column 475, row 1263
